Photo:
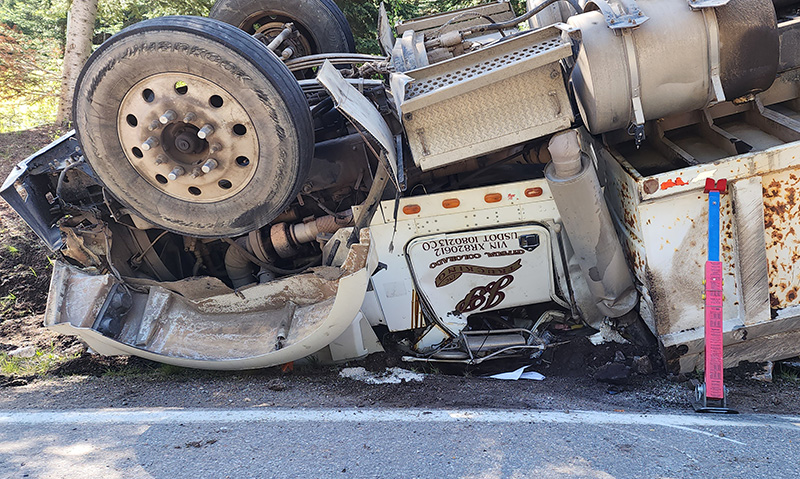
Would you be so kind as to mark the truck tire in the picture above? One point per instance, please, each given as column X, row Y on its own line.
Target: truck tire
column 322, row 25
column 194, row 126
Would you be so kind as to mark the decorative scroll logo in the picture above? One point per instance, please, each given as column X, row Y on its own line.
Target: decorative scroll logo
column 452, row 273
column 485, row 297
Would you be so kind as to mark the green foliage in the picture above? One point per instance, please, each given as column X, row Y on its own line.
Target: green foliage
column 37, row 19
column 114, row 15
column 29, row 78
column 362, row 15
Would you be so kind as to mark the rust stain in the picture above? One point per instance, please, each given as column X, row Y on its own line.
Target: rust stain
column 650, row 186
column 781, row 211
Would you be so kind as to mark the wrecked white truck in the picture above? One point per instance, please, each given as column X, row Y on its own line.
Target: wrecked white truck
column 245, row 191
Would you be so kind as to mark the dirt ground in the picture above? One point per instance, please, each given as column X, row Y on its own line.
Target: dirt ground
column 74, row 378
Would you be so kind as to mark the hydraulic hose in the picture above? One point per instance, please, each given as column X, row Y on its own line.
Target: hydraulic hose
column 516, row 21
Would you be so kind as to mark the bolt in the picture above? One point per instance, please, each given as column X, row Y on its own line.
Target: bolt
column 151, row 142
column 287, row 53
column 168, row 116
column 209, row 165
column 175, row 173
column 190, row 117
column 215, row 148
column 205, row 132
column 196, row 172
column 160, row 159
column 155, row 125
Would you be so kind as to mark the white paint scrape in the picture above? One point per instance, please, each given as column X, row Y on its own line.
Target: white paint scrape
column 389, row 376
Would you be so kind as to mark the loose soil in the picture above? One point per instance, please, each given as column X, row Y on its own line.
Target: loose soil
column 93, row 381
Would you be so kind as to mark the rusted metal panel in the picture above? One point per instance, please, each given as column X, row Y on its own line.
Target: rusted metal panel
column 663, row 221
column 781, row 228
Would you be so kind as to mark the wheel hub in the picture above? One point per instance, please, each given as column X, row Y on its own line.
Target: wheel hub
column 299, row 43
column 189, row 143
column 188, row 137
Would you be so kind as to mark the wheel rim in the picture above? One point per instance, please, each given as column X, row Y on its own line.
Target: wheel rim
column 188, row 137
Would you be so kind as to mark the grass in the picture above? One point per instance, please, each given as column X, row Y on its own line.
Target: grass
column 7, row 302
column 40, row 364
column 786, row 373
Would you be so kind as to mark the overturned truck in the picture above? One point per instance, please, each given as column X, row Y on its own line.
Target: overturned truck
column 245, row 190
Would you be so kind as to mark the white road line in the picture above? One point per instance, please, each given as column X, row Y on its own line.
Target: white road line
column 176, row 415
column 705, row 433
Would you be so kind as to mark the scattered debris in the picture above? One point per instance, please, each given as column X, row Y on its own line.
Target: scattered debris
column 765, row 375
column 613, row 373
column 389, row 376
column 519, row 374
column 607, row 334
column 619, row 357
column 199, row 444
column 276, row 385
column 642, row 365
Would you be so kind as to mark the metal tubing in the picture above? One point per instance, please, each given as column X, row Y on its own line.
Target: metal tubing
column 591, row 232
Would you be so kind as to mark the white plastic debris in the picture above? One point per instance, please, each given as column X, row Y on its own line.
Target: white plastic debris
column 607, row 334
column 519, row 374
column 389, row 376
column 23, row 352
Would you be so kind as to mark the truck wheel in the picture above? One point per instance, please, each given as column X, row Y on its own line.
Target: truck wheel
column 194, row 126
column 322, row 25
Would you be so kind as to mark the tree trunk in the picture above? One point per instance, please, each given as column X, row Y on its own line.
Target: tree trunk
column 80, row 29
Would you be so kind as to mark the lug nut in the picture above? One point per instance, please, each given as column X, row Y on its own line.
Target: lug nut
column 160, row 160
column 168, row 116
column 205, row 132
column 209, row 165
column 175, row 173
column 154, row 125
column 215, row 148
column 195, row 173
column 151, row 142
column 190, row 117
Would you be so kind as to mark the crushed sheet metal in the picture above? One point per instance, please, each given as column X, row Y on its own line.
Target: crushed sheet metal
column 224, row 331
column 356, row 106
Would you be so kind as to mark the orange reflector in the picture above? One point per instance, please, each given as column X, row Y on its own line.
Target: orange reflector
column 533, row 192
column 411, row 209
column 493, row 197
column 451, row 203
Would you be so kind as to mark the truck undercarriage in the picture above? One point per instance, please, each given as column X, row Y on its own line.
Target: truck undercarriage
column 246, row 191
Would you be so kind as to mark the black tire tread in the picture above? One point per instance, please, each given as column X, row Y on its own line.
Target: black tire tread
column 228, row 11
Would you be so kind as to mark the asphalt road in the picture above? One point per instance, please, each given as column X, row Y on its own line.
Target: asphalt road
column 392, row 443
